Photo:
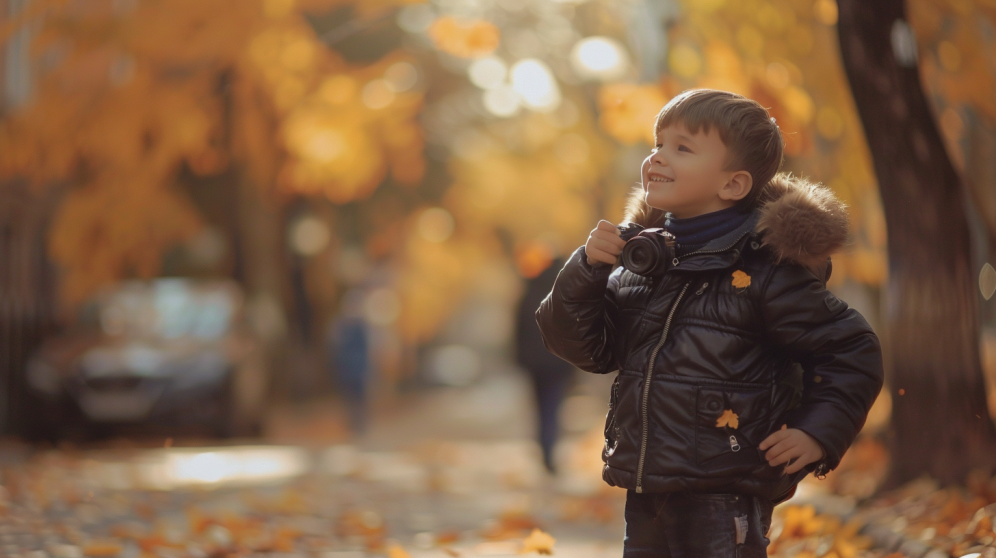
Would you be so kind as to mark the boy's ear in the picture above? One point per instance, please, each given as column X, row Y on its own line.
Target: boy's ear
column 737, row 187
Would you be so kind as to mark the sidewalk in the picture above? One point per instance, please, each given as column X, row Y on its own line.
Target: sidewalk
column 442, row 472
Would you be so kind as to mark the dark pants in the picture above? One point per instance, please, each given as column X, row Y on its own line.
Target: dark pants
column 551, row 389
column 696, row 525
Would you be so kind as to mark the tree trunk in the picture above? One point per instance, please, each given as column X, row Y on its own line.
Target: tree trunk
column 260, row 265
column 940, row 424
column 27, row 294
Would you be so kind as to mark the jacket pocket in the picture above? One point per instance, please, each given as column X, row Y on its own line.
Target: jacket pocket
column 730, row 421
column 611, row 425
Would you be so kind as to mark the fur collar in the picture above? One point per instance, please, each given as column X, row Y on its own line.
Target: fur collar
column 799, row 220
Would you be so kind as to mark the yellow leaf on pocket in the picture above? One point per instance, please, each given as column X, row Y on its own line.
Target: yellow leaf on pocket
column 728, row 418
column 538, row 542
column 740, row 279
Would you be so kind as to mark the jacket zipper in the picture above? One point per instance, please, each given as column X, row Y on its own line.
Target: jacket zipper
column 646, row 388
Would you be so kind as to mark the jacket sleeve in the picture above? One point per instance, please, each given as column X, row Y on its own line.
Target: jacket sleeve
column 574, row 320
column 840, row 355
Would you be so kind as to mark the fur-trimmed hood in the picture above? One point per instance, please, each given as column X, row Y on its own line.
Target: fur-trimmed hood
column 799, row 220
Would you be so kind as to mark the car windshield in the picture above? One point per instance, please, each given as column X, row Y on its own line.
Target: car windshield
column 169, row 309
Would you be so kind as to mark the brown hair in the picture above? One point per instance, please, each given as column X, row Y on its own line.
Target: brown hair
column 748, row 131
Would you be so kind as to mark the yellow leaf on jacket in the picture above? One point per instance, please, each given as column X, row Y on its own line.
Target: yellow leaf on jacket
column 728, row 418
column 740, row 279
column 538, row 542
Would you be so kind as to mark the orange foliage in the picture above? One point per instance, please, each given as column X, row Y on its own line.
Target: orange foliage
column 472, row 39
column 627, row 111
column 143, row 90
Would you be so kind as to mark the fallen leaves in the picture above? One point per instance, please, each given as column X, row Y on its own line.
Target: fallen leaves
column 956, row 519
column 510, row 525
column 102, row 548
column 538, row 542
column 800, row 531
column 728, row 418
column 740, row 279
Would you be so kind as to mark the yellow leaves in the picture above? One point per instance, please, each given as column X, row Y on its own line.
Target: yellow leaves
column 627, row 111
column 286, row 55
column 343, row 138
column 728, row 418
column 799, row 103
column 118, row 227
column 724, row 68
column 685, row 60
column 538, row 542
column 534, row 194
column 338, row 89
column 800, row 523
column 102, row 548
column 532, row 258
column 470, row 39
column 395, row 550
column 277, row 9
column 188, row 31
column 149, row 88
column 825, row 12
column 433, row 282
column 740, row 279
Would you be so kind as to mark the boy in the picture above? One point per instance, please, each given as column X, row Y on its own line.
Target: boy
column 739, row 373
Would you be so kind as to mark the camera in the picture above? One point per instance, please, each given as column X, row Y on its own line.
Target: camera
column 647, row 252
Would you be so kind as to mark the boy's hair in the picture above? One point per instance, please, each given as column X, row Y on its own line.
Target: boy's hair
column 753, row 138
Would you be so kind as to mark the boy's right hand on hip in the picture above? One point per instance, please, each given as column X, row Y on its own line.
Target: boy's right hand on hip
column 604, row 244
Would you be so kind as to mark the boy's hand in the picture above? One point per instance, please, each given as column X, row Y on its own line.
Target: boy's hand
column 791, row 443
column 604, row 244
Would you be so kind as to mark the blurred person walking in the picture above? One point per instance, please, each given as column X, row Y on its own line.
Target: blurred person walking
column 348, row 343
column 551, row 376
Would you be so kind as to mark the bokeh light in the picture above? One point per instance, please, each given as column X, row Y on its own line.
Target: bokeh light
column 599, row 58
column 488, row 73
column 502, row 100
column 309, row 236
column 435, row 224
column 382, row 306
column 534, row 82
column 401, row 76
column 378, row 94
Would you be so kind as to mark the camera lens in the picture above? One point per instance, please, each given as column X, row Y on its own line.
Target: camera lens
column 641, row 255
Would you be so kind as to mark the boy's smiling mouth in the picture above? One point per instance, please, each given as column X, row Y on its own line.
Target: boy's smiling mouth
column 659, row 178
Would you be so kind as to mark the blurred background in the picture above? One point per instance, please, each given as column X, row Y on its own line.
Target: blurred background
column 297, row 244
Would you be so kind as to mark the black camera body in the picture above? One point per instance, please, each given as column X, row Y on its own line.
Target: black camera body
column 647, row 252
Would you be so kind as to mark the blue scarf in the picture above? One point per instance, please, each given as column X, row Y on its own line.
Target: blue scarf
column 693, row 233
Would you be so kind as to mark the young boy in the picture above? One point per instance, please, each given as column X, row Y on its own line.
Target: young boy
column 739, row 373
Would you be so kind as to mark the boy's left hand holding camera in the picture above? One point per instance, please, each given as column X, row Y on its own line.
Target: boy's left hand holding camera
column 788, row 444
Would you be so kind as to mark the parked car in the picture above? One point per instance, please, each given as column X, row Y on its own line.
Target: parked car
column 166, row 352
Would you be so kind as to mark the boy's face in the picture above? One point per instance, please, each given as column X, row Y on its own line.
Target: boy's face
column 684, row 173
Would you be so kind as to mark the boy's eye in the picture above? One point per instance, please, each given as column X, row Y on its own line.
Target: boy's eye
column 686, row 149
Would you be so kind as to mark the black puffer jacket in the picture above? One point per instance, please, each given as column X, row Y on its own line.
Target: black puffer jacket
column 726, row 329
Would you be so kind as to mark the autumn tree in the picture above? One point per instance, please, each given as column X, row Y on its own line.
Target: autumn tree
column 133, row 99
column 940, row 420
